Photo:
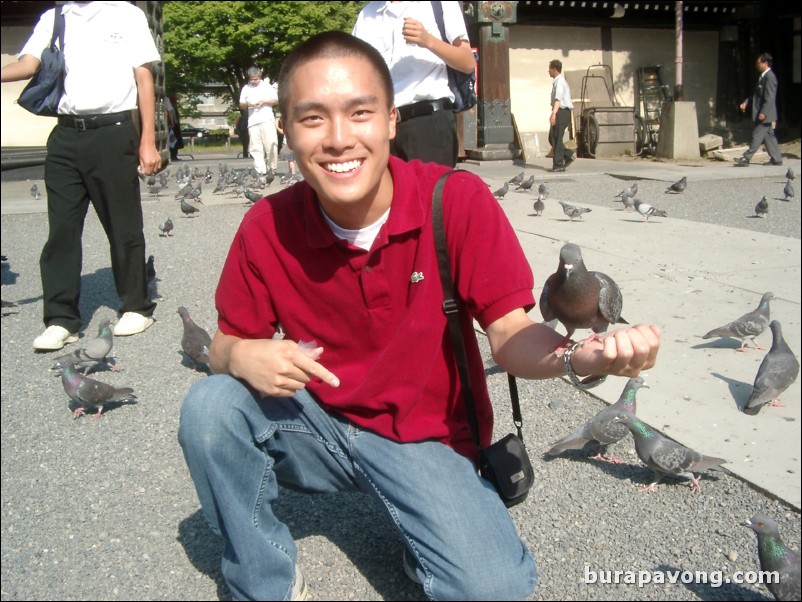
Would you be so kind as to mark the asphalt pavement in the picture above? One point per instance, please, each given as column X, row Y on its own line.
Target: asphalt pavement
column 105, row 509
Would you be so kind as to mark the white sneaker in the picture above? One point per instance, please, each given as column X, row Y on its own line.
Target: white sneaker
column 53, row 338
column 299, row 586
column 131, row 323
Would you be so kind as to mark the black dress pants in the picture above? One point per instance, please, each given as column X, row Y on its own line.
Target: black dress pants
column 98, row 166
column 430, row 138
column 556, row 135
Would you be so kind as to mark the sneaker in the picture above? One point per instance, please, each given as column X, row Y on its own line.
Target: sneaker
column 570, row 159
column 131, row 323
column 777, row 163
column 299, row 586
column 53, row 338
column 742, row 162
column 557, row 170
column 409, row 569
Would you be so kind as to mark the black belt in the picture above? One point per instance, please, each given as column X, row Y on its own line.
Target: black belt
column 91, row 122
column 423, row 107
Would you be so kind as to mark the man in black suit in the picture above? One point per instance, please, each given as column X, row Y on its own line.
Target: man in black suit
column 764, row 114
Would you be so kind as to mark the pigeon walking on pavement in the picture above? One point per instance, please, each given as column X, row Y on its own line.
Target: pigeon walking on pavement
column 678, row 186
column 150, row 272
column 629, row 191
column 788, row 191
column 90, row 393
column 777, row 372
column 790, row 175
column 527, row 184
column 762, row 207
column 195, row 341
column 517, row 179
column 666, row 457
column 543, row 190
column 499, row 194
column 748, row 326
column 187, row 209
column 628, row 202
column 166, row 227
column 601, row 430
column 579, row 298
column 35, row 192
column 647, row 210
column 776, row 557
column 571, row 211
column 92, row 353
column 539, row 205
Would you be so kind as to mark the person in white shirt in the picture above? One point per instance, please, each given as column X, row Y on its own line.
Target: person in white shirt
column 258, row 97
column 93, row 154
column 560, row 117
column 407, row 36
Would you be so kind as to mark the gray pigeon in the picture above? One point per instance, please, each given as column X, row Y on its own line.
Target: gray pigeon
column 579, row 298
column 252, row 196
column 601, row 431
column 776, row 557
column 517, row 179
column 92, row 353
column 499, row 194
column 90, row 393
column 167, row 227
column 187, row 209
column 748, row 326
column 539, row 205
column 788, row 191
column 195, row 340
column 35, row 192
column 790, row 175
column 150, row 273
column 527, row 184
column 678, row 186
column 666, row 457
column 647, row 210
column 762, row 207
column 543, row 190
column 630, row 191
column 572, row 211
column 628, row 201
column 777, row 372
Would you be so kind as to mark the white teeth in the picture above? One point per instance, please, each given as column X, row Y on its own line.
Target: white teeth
column 343, row 167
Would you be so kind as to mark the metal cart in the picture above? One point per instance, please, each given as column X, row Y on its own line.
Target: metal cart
column 653, row 93
column 604, row 127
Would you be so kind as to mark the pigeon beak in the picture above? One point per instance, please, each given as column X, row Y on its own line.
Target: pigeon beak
column 569, row 267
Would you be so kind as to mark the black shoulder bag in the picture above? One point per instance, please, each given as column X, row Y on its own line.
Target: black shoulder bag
column 505, row 463
column 42, row 94
column 462, row 85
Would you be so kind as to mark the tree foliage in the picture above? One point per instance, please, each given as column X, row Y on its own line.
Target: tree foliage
column 215, row 42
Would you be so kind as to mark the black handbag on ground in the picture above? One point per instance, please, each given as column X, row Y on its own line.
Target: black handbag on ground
column 42, row 94
column 462, row 85
column 505, row 463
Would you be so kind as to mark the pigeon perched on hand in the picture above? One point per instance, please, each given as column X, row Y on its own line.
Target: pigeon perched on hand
column 90, row 393
column 601, row 430
column 92, row 353
column 527, row 184
column 678, row 186
column 187, row 209
column 539, row 205
column 571, row 211
column 776, row 557
column 195, row 341
column 579, row 298
column 777, row 372
column 788, row 191
column 666, row 457
column 517, row 179
column 499, row 194
column 748, row 326
column 762, row 207
column 166, row 228
column 647, row 210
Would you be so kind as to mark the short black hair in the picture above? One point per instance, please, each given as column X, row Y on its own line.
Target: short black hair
column 558, row 65
column 766, row 58
column 332, row 44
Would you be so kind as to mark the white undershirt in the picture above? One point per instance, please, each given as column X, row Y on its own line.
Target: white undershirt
column 362, row 237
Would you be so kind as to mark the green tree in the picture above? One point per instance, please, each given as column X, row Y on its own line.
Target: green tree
column 215, row 42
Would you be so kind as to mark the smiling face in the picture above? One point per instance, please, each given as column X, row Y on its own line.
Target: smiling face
column 339, row 122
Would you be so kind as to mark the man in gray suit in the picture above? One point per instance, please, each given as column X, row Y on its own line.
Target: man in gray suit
column 764, row 114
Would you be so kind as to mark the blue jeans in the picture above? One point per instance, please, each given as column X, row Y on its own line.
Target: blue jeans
column 239, row 449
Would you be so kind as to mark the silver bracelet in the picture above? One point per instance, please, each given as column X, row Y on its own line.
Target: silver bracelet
column 588, row 382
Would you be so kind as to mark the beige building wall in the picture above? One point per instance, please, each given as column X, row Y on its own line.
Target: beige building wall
column 532, row 47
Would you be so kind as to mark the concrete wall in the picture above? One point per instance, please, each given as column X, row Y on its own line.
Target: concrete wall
column 532, row 47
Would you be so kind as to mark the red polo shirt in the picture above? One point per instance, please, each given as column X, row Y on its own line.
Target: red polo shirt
column 383, row 331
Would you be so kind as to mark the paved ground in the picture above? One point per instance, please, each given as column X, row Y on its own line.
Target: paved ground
column 105, row 509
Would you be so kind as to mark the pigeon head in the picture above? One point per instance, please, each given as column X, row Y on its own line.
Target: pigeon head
column 762, row 525
column 570, row 257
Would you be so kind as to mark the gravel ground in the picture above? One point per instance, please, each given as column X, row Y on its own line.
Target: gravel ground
column 105, row 510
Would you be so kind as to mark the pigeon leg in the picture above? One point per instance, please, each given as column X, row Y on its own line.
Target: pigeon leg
column 776, row 403
column 79, row 411
column 612, row 458
column 565, row 344
column 695, row 485
column 99, row 414
column 649, row 488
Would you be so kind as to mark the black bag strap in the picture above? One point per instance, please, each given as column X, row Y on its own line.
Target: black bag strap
column 451, row 309
column 437, row 9
column 58, row 30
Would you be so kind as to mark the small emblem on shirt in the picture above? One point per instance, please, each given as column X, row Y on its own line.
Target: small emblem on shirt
column 416, row 277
